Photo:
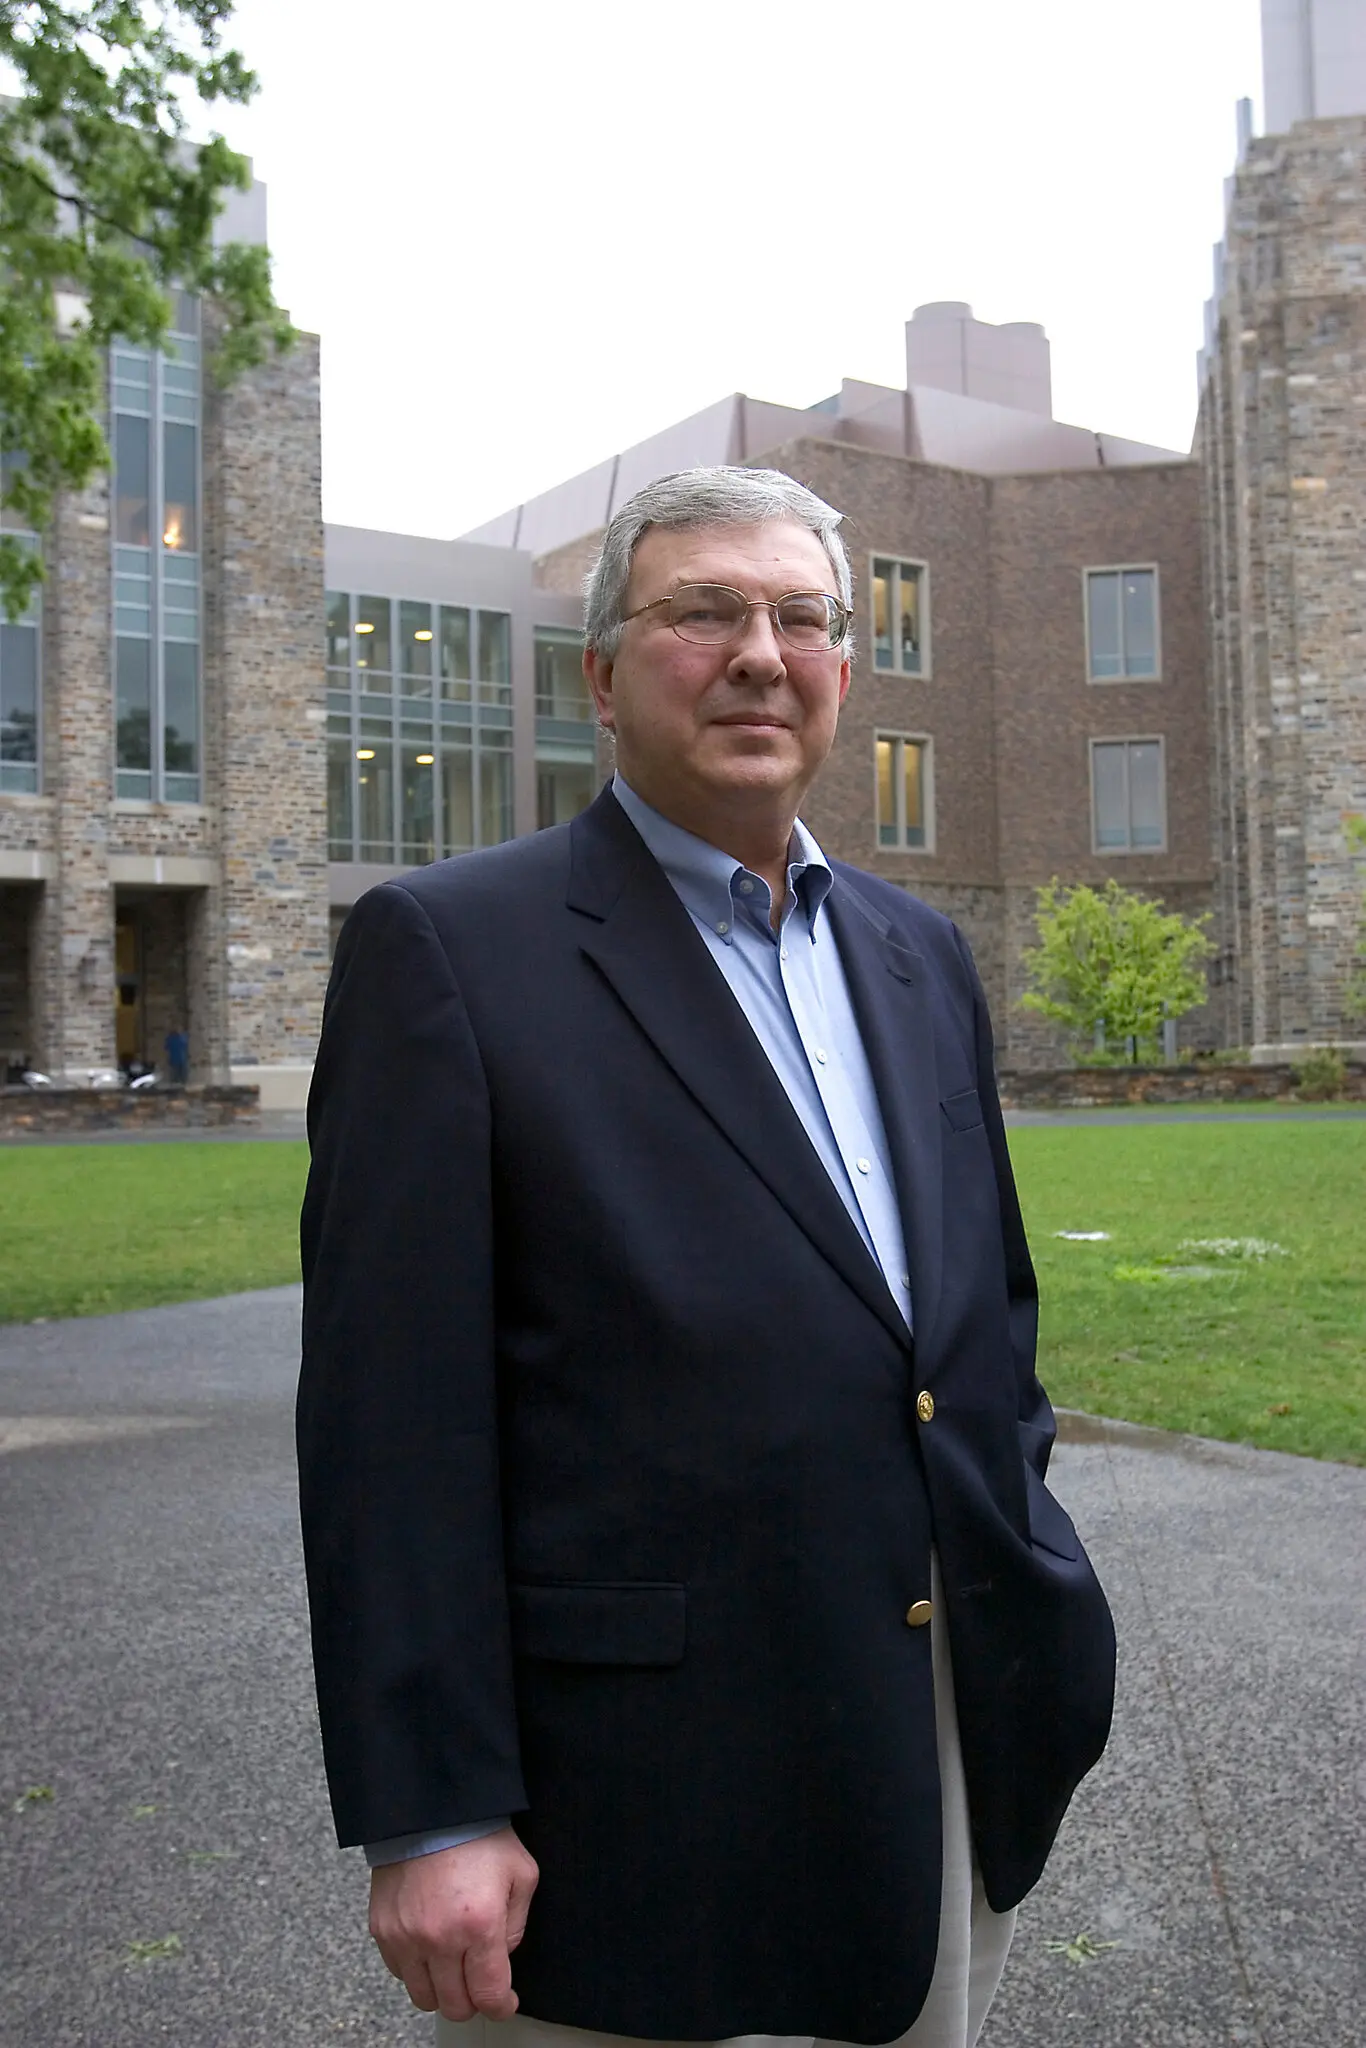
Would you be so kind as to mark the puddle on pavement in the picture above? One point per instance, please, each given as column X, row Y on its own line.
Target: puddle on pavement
column 42, row 1432
column 1076, row 1428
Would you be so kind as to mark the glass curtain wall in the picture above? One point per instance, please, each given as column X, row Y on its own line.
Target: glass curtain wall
column 419, row 728
column 566, row 750
column 20, row 680
column 157, row 646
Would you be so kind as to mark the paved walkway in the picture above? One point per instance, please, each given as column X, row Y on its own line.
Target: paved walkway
column 154, row 1673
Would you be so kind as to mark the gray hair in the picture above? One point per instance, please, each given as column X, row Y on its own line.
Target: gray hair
column 720, row 496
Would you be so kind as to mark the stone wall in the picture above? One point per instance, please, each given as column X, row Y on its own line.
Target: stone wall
column 1283, row 441
column 1116, row 1087
column 73, row 984
column 48, row 1112
column 266, row 739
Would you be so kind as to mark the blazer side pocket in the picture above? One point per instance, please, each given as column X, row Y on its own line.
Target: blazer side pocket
column 964, row 1111
column 587, row 1623
column 1050, row 1525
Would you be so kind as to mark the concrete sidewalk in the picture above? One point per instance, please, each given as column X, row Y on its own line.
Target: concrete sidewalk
column 155, row 1676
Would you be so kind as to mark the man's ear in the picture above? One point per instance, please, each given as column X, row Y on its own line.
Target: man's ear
column 846, row 671
column 597, row 669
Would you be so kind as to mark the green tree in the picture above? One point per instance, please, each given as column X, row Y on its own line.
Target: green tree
column 104, row 207
column 1111, row 966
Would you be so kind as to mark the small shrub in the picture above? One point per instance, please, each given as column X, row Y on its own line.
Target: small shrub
column 1320, row 1075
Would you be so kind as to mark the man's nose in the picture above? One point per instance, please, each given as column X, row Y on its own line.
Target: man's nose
column 758, row 652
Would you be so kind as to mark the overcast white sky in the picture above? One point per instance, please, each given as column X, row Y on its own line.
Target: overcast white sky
column 530, row 235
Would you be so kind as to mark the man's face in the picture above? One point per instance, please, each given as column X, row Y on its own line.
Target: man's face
column 710, row 733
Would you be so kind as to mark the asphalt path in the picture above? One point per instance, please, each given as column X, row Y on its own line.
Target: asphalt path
column 181, row 1881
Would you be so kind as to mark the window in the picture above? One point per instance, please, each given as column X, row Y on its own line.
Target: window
column 563, row 789
column 899, row 617
column 1122, row 639
column 904, row 792
column 19, row 677
column 157, row 665
column 415, row 768
column 561, row 686
column 1127, row 796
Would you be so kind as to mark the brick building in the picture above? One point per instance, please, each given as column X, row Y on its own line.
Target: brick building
column 1030, row 690
column 1076, row 655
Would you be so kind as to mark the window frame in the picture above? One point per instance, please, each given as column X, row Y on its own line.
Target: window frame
column 925, row 741
column 160, row 606
column 1127, row 740
column 1122, row 569
column 25, row 778
column 922, row 569
column 477, row 725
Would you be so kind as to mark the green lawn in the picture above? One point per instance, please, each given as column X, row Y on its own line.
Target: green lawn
column 89, row 1229
column 1266, row 1351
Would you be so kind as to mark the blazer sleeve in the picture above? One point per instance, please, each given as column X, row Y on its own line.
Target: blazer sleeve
column 1038, row 1428
column 397, row 1410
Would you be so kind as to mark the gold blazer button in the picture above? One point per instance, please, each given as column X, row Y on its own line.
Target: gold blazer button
column 919, row 1613
column 924, row 1406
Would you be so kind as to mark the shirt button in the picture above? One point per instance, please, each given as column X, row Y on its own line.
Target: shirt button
column 746, row 887
column 820, row 1054
column 864, row 1165
column 722, row 929
column 905, row 1279
column 782, row 952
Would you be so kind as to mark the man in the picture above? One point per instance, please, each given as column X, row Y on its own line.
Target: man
column 668, row 1412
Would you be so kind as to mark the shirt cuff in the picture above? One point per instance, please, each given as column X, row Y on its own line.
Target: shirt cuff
column 427, row 1841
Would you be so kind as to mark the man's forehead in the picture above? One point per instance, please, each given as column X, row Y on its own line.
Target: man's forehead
column 719, row 553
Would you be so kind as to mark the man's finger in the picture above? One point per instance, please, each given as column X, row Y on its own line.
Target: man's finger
column 417, row 1979
column 448, row 1983
column 488, row 1979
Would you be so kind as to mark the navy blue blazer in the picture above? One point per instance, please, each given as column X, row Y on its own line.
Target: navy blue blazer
column 618, row 1474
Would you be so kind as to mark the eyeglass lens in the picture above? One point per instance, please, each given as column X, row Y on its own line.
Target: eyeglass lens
column 712, row 614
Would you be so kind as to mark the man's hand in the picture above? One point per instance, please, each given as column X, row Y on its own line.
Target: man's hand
column 447, row 1924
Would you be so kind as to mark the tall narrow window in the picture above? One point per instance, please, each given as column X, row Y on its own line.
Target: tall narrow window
column 561, row 686
column 899, row 640
column 495, row 658
column 415, row 648
column 20, row 670
column 1128, row 797
column 158, row 713
column 1122, row 636
column 903, row 791
column 19, row 702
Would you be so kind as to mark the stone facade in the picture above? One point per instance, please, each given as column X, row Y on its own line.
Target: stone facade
column 1282, row 439
column 228, row 896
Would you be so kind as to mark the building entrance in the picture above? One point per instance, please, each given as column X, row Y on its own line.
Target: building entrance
column 151, row 982
column 18, row 908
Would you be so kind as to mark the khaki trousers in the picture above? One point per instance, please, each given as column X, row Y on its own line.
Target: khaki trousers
column 973, row 1941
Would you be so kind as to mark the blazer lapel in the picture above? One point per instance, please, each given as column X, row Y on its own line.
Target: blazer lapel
column 888, row 985
column 643, row 941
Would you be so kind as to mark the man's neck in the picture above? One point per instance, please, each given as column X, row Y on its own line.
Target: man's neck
column 762, row 843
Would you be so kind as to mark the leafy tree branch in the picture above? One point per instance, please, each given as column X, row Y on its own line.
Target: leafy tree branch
column 105, row 208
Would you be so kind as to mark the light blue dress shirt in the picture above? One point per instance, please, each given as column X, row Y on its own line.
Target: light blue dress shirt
column 791, row 986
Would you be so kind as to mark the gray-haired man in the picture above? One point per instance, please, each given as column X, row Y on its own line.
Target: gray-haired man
column 672, row 1455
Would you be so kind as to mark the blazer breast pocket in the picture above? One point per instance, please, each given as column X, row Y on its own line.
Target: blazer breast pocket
column 964, row 1110
column 594, row 1623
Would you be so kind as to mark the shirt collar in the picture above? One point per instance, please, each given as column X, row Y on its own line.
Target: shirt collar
column 704, row 877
